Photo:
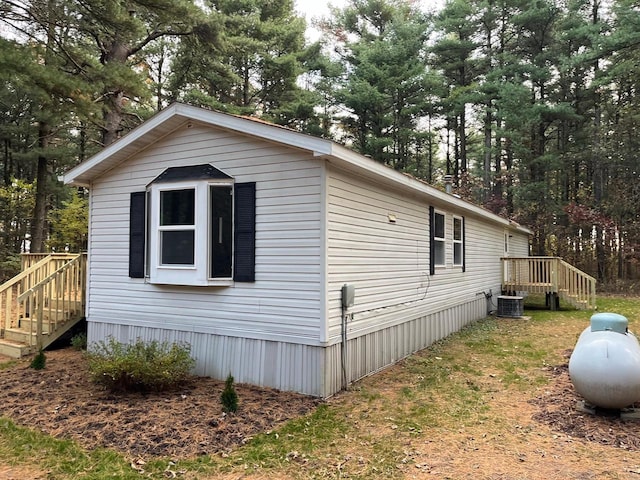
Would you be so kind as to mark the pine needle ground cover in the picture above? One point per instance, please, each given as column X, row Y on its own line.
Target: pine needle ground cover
column 491, row 402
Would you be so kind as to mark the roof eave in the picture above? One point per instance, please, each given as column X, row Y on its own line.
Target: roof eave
column 172, row 118
column 178, row 114
column 343, row 154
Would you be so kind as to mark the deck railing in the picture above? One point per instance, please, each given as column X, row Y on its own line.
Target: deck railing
column 54, row 300
column 549, row 275
column 36, row 267
column 64, row 285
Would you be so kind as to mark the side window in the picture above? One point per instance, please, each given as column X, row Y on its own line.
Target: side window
column 439, row 239
column 221, row 238
column 457, row 241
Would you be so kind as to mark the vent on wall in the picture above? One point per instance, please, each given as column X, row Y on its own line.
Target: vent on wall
column 509, row 306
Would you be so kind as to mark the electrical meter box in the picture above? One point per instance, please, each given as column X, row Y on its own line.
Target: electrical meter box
column 348, row 295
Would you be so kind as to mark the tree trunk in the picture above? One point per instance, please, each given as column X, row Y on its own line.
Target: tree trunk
column 39, row 221
column 6, row 173
column 112, row 118
column 487, row 152
column 463, row 140
column 115, row 98
column 598, row 174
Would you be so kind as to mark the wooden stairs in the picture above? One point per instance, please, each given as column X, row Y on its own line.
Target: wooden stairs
column 41, row 303
column 552, row 276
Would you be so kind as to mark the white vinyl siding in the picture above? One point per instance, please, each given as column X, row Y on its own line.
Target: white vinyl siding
column 317, row 227
column 285, row 299
column 518, row 244
column 388, row 263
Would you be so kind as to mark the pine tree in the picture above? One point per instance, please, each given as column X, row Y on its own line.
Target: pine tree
column 229, row 397
column 247, row 61
column 386, row 84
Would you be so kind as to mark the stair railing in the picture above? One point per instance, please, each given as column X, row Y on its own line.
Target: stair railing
column 579, row 288
column 549, row 275
column 58, row 297
column 33, row 272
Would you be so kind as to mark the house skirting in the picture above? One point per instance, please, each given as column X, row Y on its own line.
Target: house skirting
column 307, row 369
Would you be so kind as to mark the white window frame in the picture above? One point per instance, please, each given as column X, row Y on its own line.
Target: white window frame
column 458, row 242
column 199, row 273
column 161, row 229
column 440, row 240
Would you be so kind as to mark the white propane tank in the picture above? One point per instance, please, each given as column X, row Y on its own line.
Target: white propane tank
column 605, row 364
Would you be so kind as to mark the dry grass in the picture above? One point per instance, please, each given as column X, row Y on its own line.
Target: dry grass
column 464, row 408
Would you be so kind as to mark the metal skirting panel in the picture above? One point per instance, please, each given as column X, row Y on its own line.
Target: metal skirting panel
column 311, row 370
column 281, row 365
column 372, row 352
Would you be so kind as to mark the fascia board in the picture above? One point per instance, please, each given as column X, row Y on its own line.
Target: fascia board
column 256, row 128
column 178, row 114
column 343, row 154
column 81, row 174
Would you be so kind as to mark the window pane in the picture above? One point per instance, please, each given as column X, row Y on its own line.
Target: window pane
column 221, row 231
column 177, row 247
column 177, row 207
column 457, row 254
column 439, row 252
column 439, row 226
column 457, row 229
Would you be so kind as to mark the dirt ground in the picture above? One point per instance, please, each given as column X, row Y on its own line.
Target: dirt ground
column 549, row 436
column 557, row 409
column 62, row 402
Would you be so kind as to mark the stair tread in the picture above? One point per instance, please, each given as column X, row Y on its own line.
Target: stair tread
column 23, row 331
column 12, row 343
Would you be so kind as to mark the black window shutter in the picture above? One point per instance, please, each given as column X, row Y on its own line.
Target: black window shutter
column 432, row 243
column 137, row 224
column 244, row 252
column 464, row 247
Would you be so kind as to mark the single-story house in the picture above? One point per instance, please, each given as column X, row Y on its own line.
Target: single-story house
column 286, row 260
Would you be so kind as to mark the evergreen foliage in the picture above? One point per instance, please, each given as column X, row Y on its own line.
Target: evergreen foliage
column 246, row 60
column 229, row 397
column 531, row 106
column 39, row 361
column 79, row 341
column 140, row 366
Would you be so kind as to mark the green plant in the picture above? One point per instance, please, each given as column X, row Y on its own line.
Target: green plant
column 39, row 361
column 139, row 366
column 9, row 265
column 229, row 397
column 79, row 341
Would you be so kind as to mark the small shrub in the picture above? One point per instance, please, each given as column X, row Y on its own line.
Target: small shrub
column 39, row 361
column 139, row 366
column 229, row 396
column 79, row 341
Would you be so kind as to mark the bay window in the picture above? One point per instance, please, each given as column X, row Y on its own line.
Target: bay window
column 200, row 228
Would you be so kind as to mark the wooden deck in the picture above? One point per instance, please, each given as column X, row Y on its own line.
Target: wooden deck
column 42, row 302
column 551, row 276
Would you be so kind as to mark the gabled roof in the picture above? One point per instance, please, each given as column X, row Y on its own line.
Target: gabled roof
column 177, row 115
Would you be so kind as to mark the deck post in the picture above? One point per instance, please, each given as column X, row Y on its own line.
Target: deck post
column 552, row 301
